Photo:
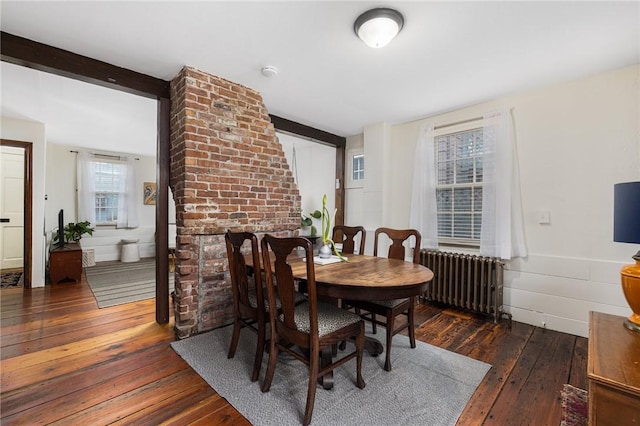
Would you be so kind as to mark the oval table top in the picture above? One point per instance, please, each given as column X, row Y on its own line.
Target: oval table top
column 364, row 277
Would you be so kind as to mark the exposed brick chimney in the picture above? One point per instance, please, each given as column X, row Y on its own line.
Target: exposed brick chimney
column 228, row 171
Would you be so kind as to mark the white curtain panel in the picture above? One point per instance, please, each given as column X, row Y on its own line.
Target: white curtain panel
column 85, row 170
column 502, row 233
column 128, row 205
column 424, row 211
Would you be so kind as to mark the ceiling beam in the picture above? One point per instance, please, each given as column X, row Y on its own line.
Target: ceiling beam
column 285, row 125
column 42, row 57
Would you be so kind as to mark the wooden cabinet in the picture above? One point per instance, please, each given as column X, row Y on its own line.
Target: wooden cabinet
column 65, row 263
column 613, row 371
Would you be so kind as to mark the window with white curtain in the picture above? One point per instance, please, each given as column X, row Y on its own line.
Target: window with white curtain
column 106, row 190
column 109, row 188
column 458, row 158
column 466, row 186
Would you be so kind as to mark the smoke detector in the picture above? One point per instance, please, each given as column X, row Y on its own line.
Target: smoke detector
column 269, row 71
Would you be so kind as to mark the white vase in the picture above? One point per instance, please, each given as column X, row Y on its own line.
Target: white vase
column 324, row 252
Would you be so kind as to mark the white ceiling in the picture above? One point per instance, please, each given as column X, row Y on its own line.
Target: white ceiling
column 448, row 55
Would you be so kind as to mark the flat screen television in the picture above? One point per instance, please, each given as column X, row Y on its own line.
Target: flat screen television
column 60, row 228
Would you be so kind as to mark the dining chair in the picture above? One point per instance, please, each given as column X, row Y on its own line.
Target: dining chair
column 249, row 307
column 390, row 309
column 347, row 235
column 306, row 329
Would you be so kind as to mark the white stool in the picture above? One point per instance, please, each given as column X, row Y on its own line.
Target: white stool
column 130, row 252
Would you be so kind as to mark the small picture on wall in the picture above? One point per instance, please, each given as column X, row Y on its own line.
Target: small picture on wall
column 150, row 193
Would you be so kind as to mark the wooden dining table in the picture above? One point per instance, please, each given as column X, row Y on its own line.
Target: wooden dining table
column 364, row 277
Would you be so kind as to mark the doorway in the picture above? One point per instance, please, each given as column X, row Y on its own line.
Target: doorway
column 15, row 213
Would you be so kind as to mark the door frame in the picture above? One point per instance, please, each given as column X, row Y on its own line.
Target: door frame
column 27, row 211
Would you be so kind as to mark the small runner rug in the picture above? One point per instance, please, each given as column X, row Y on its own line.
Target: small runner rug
column 10, row 279
column 574, row 406
column 427, row 386
column 118, row 283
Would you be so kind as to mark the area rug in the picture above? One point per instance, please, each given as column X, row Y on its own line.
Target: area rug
column 118, row 283
column 574, row 406
column 10, row 279
column 427, row 386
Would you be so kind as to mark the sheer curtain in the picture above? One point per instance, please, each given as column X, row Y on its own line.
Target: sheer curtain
column 128, row 204
column 86, row 173
column 127, row 194
column 424, row 212
column 502, row 233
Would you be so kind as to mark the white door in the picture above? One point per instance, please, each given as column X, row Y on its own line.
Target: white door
column 11, row 207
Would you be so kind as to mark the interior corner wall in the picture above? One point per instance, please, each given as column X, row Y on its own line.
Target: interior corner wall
column 574, row 141
column 228, row 171
column 28, row 131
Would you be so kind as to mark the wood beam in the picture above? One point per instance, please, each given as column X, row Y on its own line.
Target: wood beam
column 285, row 125
column 31, row 54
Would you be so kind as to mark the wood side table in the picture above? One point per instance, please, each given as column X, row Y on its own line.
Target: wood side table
column 613, row 371
column 65, row 263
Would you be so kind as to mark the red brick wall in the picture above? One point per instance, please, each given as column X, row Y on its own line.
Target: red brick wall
column 228, row 171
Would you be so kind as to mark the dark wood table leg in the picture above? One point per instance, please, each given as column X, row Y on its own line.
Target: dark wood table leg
column 325, row 359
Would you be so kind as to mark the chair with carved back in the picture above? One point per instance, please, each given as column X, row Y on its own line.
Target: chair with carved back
column 306, row 329
column 347, row 235
column 249, row 301
column 390, row 309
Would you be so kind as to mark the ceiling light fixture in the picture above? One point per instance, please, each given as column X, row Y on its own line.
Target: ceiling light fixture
column 377, row 27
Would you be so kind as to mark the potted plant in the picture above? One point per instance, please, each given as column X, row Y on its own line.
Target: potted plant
column 327, row 242
column 305, row 224
column 75, row 231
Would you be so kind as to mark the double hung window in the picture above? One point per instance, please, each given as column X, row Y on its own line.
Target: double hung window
column 459, row 178
column 109, row 187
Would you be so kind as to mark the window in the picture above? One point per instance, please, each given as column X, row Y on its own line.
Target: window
column 358, row 167
column 109, row 187
column 459, row 174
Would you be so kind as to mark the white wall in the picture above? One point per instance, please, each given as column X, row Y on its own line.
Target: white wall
column 26, row 131
column 316, row 172
column 61, row 193
column 575, row 141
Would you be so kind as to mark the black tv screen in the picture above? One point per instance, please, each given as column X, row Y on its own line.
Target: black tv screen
column 61, row 228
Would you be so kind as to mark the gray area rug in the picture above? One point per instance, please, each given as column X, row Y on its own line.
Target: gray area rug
column 118, row 283
column 427, row 386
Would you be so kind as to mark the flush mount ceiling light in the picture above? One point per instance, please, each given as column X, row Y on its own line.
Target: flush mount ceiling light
column 377, row 27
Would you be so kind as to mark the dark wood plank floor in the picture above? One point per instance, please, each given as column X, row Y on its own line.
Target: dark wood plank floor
column 64, row 361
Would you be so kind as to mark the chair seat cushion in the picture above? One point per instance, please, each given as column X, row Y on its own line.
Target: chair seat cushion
column 390, row 303
column 387, row 304
column 330, row 318
column 253, row 299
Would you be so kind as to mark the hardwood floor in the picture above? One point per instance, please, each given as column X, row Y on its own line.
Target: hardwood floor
column 64, row 361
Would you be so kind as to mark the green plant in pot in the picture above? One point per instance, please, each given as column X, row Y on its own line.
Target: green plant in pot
column 327, row 242
column 75, row 231
column 306, row 224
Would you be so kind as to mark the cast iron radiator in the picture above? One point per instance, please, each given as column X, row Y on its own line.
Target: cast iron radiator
column 465, row 281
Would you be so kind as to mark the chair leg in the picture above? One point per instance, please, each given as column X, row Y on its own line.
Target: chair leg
column 412, row 326
column 373, row 323
column 390, row 325
column 257, row 363
column 314, row 367
column 234, row 338
column 271, row 366
column 360, row 349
